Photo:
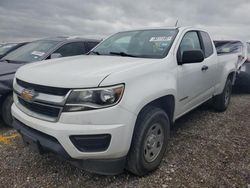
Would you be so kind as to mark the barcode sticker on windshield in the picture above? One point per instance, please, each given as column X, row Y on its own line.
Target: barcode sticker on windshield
column 38, row 53
column 160, row 39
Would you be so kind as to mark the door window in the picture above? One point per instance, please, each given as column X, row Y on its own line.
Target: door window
column 208, row 46
column 71, row 49
column 190, row 41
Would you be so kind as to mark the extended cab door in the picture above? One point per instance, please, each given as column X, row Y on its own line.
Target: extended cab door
column 190, row 83
column 210, row 74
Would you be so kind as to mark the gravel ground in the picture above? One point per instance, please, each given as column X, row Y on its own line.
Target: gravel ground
column 207, row 149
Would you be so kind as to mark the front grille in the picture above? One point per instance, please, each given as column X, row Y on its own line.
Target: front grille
column 43, row 89
column 41, row 109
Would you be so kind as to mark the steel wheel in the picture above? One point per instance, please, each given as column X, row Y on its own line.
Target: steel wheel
column 153, row 143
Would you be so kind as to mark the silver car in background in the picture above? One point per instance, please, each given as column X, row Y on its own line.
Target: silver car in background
column 243, row 78
column 243, row 65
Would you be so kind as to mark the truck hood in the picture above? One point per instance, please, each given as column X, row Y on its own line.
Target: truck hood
column 77, row 72
column 8, row 68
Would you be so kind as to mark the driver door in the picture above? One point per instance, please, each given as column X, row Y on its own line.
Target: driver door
column 190, row 85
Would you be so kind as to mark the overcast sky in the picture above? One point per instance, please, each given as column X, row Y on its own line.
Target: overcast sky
column 32, row 19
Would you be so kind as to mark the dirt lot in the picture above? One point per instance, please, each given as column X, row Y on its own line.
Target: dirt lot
column 207, row 149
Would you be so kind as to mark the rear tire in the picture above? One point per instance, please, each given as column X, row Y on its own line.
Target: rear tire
column 149, row 141
column 222, row 101
column 6, row 110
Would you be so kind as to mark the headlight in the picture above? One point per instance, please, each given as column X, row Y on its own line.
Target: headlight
column 91, row 99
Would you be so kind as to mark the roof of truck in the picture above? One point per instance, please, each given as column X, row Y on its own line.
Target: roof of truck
column 69, row 38
column 157, row 28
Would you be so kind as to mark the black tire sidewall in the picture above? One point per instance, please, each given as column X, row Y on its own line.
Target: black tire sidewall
column 219, row 100
column 158, row 118
column 6, row 110
column 136, row 162
column 228, row 84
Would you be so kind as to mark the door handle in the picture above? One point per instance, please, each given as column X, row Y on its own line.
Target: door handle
column 204, row 68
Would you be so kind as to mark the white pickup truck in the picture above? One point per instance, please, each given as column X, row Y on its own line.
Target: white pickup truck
column 112, row 109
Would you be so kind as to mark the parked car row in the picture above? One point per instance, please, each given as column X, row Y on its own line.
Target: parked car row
column 39, row 50
column 112, row 109
column 9, row 47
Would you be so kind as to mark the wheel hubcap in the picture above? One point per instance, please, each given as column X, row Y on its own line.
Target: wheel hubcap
column 153, row 143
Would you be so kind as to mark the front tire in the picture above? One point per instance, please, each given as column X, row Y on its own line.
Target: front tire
column 222, row 101
column 149, row 141
column 6, row 110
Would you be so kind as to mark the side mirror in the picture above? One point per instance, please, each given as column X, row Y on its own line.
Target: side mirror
column 55, row 55
column 192, row 56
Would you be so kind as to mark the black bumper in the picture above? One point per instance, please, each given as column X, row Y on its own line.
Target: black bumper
column 44, row 143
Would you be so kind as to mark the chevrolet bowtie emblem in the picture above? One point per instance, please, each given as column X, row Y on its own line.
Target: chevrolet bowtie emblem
column 28, row 95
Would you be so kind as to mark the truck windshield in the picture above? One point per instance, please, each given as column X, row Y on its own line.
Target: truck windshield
column 34, row 51
column 6, row 47
column 154, row 43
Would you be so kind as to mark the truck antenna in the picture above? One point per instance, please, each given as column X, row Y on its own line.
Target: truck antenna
column 176, row 23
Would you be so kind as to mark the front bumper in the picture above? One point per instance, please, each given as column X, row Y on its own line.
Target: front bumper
column 115, row 121
column 44, row 143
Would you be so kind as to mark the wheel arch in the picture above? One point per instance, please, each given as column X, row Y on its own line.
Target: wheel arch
column 232, row 76
column 2, row 99
column 166, row 103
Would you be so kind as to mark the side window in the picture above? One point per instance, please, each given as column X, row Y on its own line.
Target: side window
column 90, row 45
column 248, row 51
column 248, row 48
column 190, row 41
column 208, row 45
column 71, row 49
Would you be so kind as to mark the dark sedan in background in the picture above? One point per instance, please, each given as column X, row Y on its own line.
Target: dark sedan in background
column 36, row 51
column 9, row 47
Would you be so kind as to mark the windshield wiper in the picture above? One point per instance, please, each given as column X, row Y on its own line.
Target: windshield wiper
column 12, row 61
column 122, row 54
column 94, row 52
column 5, row 60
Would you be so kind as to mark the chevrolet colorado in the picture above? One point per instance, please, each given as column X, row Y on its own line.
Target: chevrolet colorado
column 112, row 109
